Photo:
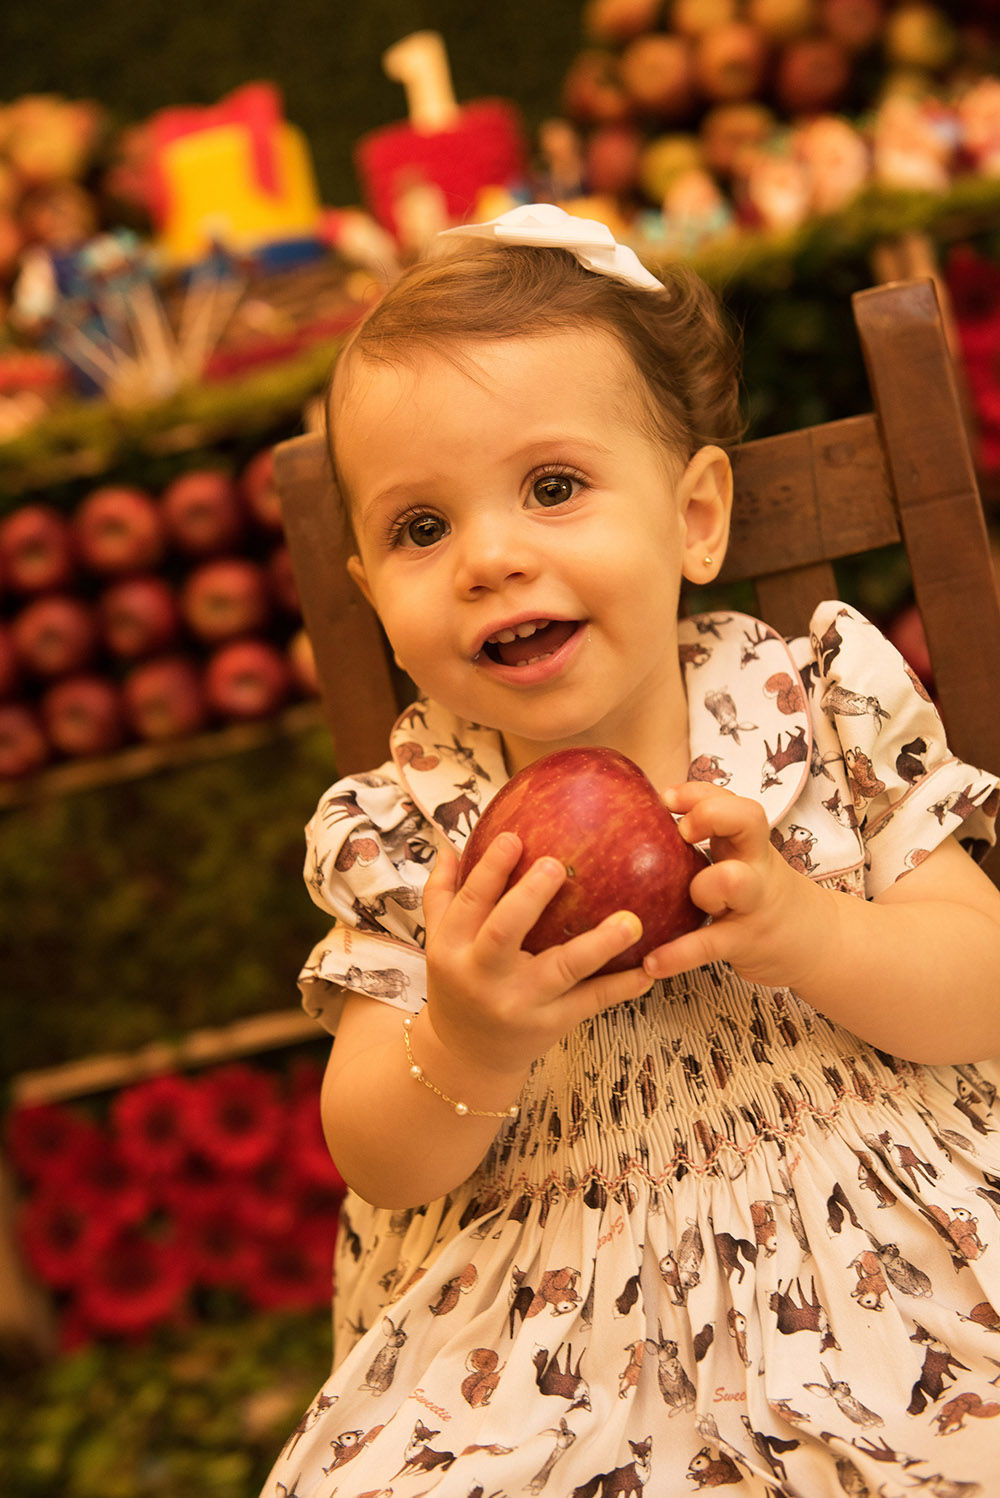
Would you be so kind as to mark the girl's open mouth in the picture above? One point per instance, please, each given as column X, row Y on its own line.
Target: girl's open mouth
column 528, row 643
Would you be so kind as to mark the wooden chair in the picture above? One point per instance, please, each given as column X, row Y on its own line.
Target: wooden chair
column 803, row 500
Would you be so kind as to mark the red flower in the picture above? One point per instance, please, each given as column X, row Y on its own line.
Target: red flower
column 62, row 1233
column 217, row 1239
column 135, row 1283
column 45, row 1138
column 235, row 1116
column 150, row 1120
column 109, row 1182
column 293, row 1272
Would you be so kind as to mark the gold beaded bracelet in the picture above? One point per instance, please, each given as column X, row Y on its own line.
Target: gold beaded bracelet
column 462, row 1109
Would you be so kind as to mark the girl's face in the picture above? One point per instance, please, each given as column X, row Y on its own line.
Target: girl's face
column 522, row 540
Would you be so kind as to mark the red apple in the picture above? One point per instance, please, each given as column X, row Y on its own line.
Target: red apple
column 282, row 577
column 812, row 74
column 10, row 666
column 612, row 159
column 23, row 745
column 139, row 615
column 119, row 529
column 617, row 21
column 225, row 598
column 163, row 698
column 730, row 61
column 36, row 549
column 259, row 492
column 658, row 75
column 55, row 634
column 596, row 812
column 83, row 715
column 856, row 24
column 695, row 17
column 592, row 93
column 202, row 512
column 247, row 679
column 907, row 634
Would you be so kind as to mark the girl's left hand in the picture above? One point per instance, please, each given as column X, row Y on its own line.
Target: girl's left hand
column 768, row 922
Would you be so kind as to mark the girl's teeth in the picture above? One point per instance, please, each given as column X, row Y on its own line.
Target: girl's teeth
column 519, row 632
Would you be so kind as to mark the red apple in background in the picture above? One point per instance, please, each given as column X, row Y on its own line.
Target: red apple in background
column 10, row 673
column 856, row 24
column 812, row 74
column 596, row 812
column 282, row 578
column 83, row 715
column 612, row 159
column 36, row 549
column 163, row 698
column 695, row 17
column 730, row 61
column 616, row 21
column 657, row 73
column 119, row 529
column 225, row 598
column 259, row 492
column 139, row 616
column 592, row 92
column 23, row 745
column 247, row 679
column 54, row 634
column 202, row 512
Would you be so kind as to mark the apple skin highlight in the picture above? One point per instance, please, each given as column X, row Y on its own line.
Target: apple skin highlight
column 600, row 815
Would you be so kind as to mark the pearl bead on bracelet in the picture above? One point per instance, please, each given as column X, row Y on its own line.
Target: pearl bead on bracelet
column 462, row 1109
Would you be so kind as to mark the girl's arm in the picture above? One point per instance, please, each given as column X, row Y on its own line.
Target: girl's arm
column 492, row 1009
column 916, row 971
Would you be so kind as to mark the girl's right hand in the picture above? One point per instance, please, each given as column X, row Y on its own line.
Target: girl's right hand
column 492, row 1005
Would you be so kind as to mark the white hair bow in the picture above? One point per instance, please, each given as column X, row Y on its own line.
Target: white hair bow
column 590, row 241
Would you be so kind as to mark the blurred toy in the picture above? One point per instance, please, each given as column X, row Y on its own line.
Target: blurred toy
column 445, row 155
column 837, row 159
column 694, row 211
column 913, row 142
column 100, row 306
column 236, row 174
column 776, row 190
column 978, row 115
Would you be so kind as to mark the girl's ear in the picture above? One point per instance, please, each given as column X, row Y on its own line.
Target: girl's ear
column 705, row 500
column 356, row 571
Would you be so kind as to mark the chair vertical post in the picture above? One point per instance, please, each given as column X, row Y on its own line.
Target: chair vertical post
column 916, row 393
column 344, row 631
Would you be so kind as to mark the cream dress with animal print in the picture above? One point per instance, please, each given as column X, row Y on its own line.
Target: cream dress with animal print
column 725, row 1243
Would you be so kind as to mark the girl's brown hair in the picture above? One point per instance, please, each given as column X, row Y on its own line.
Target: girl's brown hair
column 678, row 339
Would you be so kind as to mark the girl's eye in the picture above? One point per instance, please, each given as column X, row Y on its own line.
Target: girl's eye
column 554, row 489
column 421, row 530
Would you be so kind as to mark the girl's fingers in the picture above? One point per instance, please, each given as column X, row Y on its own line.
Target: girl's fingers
column 566, row 966
column 468, row 906
column 508, row 923
column 439, row 890
column 711, row 815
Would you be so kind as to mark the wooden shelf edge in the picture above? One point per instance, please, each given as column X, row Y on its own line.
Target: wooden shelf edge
column 106, row 1073
column 139, row 760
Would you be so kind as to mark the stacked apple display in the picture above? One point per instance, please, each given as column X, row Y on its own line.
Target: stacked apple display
column 665, row 89
column 145, row 616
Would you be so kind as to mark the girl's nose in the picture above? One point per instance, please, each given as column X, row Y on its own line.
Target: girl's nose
column 491, row 554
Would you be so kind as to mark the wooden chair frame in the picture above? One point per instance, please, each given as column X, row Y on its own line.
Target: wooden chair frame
column 804, row 500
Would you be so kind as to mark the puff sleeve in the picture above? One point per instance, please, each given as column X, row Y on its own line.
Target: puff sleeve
column 909, row 792
column 368, row 854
